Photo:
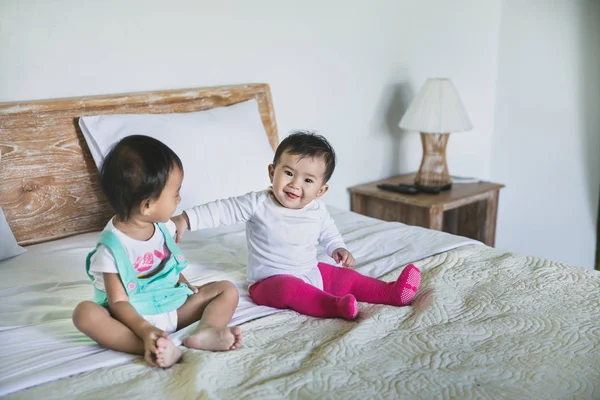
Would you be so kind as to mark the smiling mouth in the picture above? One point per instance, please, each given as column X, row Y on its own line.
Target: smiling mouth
column 291, row 196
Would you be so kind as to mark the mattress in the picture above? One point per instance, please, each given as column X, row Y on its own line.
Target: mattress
column 485, row 324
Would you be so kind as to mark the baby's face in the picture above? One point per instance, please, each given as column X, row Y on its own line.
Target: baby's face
column 163, row 208
column 297, row 180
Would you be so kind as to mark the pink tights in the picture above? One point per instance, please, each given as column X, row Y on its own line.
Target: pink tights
column 342, row 287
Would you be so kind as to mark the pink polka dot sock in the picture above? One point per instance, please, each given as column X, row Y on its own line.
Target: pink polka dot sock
column 407, row 284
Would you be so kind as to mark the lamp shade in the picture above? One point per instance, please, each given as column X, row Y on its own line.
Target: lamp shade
column 436, row 109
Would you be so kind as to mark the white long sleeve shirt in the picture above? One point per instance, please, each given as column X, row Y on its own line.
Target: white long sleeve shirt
column 280, row 240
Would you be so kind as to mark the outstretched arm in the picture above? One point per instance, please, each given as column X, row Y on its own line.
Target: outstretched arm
column 216, row 213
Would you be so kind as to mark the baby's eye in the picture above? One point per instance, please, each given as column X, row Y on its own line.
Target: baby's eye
column 308, row 180
column 288, row 173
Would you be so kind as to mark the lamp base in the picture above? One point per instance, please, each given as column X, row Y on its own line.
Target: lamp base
column 433, row 172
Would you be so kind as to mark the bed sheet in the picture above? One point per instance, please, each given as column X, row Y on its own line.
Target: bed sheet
column 486, row 324
column 39, row 290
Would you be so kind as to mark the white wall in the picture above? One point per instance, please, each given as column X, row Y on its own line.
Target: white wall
column 346, row 68
column 546, row 145
column 349, row 68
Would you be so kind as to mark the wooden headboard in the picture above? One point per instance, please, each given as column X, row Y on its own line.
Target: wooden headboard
column 49, row 185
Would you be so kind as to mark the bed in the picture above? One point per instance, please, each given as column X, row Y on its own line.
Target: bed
column 484, row 324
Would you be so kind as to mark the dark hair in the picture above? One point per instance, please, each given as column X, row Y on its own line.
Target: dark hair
column 134, row 170
column 308, row 144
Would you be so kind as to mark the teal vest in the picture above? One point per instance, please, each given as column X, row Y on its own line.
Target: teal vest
column 149, row 296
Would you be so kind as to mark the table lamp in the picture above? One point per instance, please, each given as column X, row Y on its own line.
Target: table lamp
column 435, row 112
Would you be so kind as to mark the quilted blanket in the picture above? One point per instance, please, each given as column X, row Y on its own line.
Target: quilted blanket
column 485, row 324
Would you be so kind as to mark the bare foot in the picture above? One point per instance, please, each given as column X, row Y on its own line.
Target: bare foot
column 237, row 337
column 214, row 339
column 167, row 353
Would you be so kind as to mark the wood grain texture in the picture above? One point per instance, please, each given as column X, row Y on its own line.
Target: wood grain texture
column 459, row 195
column 468, row 209
column 491, row 218
column 49, row 186
column 433, row 171
column 472, row 221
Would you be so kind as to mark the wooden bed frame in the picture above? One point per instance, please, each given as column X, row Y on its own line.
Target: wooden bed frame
column 49, row 186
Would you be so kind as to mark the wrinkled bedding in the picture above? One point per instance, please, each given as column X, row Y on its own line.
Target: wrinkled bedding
column 485, row 324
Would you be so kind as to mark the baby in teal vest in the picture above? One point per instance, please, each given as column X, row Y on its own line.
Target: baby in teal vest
column 140, row 292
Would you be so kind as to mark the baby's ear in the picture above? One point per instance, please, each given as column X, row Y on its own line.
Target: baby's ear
column 322, row 191
column 145, row 207
column 271, row 172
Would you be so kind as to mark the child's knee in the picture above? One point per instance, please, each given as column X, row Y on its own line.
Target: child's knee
column 84, row 314
column 228, row 288
column 285, row 284
column 279, row 286
column 79, row 313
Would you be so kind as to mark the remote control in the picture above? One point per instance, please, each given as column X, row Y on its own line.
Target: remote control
column 401, row 188
column 431, row 190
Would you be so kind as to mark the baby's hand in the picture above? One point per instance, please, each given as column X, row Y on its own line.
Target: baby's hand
column 181, row 223
column 344, row 256
column 190, row 286
column 149, row 337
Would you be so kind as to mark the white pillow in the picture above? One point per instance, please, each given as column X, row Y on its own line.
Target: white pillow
column 8, row 244
column 225, row 151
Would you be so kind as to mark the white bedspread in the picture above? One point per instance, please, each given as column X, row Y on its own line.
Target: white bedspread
column 485, row 324
column 40, row 289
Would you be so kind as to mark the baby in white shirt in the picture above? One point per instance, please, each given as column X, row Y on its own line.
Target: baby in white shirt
column 284, row 225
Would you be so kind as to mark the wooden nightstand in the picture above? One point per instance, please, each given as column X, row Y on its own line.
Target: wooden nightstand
column 467, row 209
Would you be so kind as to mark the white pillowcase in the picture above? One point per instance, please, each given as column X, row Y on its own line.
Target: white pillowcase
column 8, row 244
column 225, row 151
